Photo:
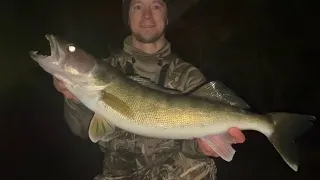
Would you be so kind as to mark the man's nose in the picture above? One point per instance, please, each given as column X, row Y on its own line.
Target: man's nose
column 147, row 14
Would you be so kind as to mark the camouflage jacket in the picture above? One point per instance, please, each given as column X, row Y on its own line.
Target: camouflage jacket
column 129, row 156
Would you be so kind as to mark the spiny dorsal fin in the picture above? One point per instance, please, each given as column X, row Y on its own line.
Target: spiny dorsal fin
column 217, row 91
column 148, row 83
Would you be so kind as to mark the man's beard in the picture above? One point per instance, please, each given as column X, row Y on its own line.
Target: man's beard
column 151, row 39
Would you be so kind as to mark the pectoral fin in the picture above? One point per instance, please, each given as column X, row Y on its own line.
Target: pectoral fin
column 99, row 128
column 221, row 144
column 116, row 104
column 216, row 91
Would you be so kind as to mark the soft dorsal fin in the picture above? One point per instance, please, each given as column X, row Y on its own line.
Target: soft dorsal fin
column 217, row 91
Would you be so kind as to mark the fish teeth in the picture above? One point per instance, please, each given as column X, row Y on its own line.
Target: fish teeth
column 35, row 53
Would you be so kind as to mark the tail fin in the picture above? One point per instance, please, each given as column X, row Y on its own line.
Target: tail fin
column 287, row 127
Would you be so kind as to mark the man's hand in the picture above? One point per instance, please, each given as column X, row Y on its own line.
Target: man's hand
column 207, row 150
column 59, row 85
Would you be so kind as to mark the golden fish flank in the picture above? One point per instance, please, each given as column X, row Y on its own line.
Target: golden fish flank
column 155, row 111
column 163, row 110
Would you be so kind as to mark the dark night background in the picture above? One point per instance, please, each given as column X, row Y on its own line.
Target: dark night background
column 264, row 50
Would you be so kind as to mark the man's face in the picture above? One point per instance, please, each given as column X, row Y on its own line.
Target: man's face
column 147, row 19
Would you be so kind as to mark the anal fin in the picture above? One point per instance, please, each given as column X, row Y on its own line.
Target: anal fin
column 221, row 144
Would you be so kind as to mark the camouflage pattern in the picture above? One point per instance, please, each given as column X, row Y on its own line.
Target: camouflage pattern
column 129, row 156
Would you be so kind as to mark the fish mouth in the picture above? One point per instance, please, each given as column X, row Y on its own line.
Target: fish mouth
column 54, row 51
column 50, row 63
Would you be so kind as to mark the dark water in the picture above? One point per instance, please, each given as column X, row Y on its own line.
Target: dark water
column 262, row 50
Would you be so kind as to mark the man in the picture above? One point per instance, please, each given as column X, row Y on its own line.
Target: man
column 147, row 53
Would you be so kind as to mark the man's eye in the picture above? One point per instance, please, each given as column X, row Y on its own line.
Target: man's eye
column 156, row 7
column 137, row 7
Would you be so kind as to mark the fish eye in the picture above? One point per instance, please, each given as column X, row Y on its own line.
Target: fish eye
column 71, row 48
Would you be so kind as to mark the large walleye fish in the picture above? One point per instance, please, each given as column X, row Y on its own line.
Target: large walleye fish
column 141, row 107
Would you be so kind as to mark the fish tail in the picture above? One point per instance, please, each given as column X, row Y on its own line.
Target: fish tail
column 287, row 127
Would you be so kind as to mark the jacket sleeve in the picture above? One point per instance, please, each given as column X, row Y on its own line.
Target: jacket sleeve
column 183, row 76
column 77, row 115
